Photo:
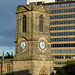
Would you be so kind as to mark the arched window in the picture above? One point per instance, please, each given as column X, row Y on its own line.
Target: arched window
column 8, row 68
column 41, row 23
column 24, row 23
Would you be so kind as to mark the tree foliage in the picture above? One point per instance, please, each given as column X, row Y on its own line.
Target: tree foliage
column 68, row 69
column 8, row 56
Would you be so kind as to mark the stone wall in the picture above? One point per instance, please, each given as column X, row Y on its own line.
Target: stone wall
column 32, row 67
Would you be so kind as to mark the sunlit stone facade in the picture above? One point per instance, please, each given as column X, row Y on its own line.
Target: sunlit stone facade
column 53, row 24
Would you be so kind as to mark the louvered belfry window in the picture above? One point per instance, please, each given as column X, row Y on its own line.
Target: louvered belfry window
column 41, row 23
column 24, row 23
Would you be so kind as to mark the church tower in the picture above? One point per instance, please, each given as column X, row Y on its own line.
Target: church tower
column 33, row 41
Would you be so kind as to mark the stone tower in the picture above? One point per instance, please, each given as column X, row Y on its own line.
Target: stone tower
column 33, row 54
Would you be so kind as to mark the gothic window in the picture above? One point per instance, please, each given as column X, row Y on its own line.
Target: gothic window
column 41, row 23
column 24, row 23
column 8, row 68
column 43, row 71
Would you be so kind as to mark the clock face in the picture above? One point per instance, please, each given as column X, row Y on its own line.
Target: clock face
column 23, row 45
column 42, row 45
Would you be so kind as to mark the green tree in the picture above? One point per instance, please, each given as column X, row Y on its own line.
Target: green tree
column 7, row 55
column 68, row 69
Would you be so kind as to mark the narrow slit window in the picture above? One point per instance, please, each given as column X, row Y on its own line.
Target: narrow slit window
column 8, row 68
column 41, row 23
column 24, row 24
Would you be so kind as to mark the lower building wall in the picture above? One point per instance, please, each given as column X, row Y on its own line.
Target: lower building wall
column 32, row 67
column 6, row 67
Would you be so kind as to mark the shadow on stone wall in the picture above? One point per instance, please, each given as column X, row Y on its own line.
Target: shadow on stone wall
column 52, row 73
column 24, row 72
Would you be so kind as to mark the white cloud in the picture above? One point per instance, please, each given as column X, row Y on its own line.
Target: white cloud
column 1, row 37
column 11, row 48
column 6, row 49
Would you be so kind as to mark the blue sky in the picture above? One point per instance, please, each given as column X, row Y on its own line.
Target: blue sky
column 8, row 24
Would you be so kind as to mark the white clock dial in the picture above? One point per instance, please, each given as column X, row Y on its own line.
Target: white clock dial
column 23, row 45
column 42, row 45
